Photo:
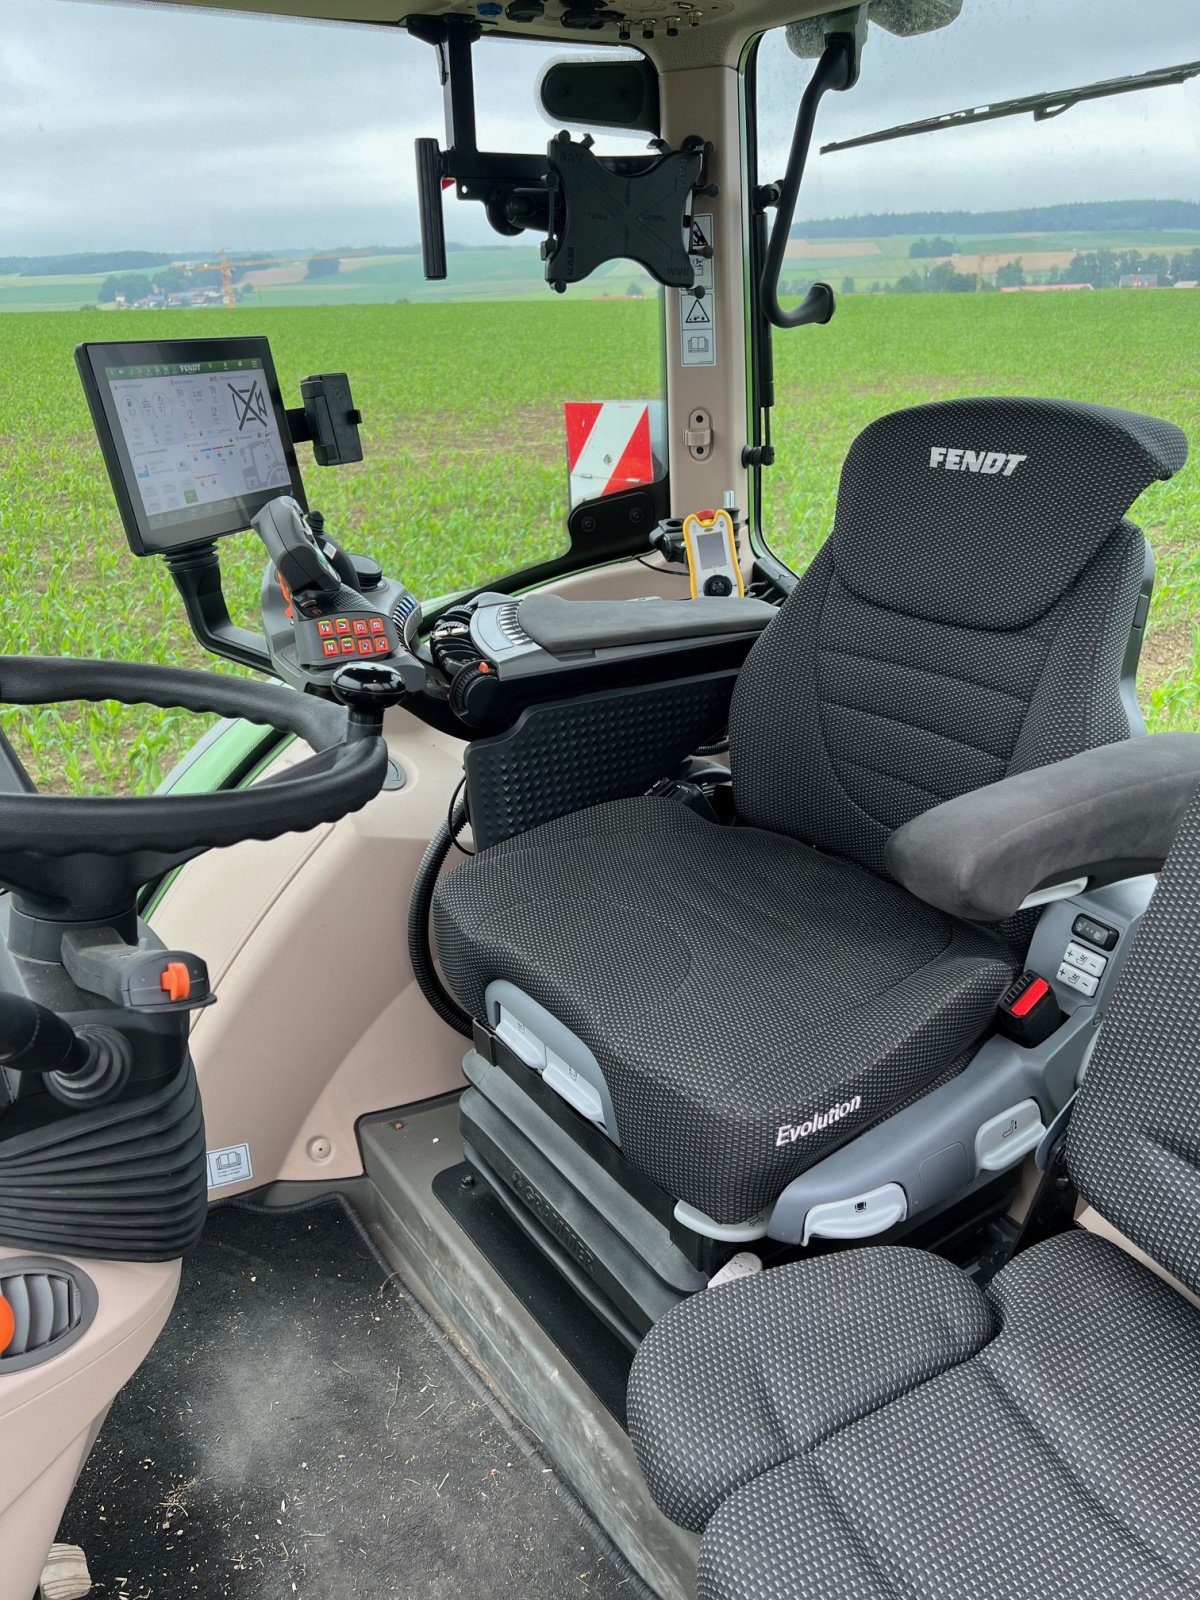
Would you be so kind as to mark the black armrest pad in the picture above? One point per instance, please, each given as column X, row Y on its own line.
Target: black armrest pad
column 1105, row 814
column 561, row 626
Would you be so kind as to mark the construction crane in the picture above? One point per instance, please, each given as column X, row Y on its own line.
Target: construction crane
column 227, row 267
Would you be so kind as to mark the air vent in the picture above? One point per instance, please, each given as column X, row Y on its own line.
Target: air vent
column 51, row 1304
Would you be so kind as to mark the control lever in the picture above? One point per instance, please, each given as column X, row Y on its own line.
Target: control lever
column 368, row 688
column 294, row 551
column 80, row 1068
column 141, row 977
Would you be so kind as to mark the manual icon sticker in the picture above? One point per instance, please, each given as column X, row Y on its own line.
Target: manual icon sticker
column 231, row 1165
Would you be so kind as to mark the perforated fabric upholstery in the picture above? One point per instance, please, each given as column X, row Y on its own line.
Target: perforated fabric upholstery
column 958, row 626
column 1056, row 1463
column 720, row 978
column 887, row 714
column 866, row 1326
column 1134, row 1142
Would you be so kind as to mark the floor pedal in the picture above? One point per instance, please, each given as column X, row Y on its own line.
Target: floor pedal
column 65, row 1575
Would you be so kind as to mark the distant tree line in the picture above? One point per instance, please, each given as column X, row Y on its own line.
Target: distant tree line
column 1086, row 216
column 167, row 280
column 115, row 262
column 81, row 265
column 922, row 249
column 1104, row 269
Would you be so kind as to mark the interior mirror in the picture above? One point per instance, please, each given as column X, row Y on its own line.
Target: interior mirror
column 602, row 94
column 903, row 17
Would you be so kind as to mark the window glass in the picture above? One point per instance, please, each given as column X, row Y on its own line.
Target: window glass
column 1013, row 257
column 153, row 172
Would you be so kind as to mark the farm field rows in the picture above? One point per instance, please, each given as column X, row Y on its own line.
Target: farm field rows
column 465, row 474
column 516, row 272
column 882, row 261
column 503, row 273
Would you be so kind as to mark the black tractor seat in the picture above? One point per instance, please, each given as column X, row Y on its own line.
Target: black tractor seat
column 869, row 1426
column 750, row 1001
column 752, row 998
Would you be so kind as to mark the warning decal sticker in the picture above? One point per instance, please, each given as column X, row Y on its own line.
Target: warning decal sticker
column 697, row 336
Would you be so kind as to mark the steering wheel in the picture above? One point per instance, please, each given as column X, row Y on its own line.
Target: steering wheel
column 83, row 858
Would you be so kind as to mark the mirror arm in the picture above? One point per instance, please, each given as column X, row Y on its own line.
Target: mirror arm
column 837, row 70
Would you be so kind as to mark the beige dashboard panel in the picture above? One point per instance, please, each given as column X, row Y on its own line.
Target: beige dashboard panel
column 50, row 1414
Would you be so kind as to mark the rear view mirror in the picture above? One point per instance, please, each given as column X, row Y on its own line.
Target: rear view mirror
column 904, row 17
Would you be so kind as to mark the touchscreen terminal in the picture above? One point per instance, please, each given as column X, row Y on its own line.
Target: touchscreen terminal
column 193, row 433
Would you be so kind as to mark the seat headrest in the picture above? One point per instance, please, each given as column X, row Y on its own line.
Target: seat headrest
column 984, row 512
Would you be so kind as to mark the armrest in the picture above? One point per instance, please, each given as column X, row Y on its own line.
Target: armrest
column 1106, row 814
column 562, row 626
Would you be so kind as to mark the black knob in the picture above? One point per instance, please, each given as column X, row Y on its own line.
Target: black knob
column 368, row 572
column 718, row 584
column 368, row 688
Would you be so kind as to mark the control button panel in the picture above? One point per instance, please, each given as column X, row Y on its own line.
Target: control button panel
column 326, row 640
column 1078, row 955
column 521, row 1040
column 1075, row 978
column 1097, row 933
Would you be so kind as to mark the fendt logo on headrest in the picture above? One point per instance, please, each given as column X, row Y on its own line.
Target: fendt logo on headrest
column 991, row 462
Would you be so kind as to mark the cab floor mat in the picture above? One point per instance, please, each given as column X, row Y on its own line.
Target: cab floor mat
column 303, row 1431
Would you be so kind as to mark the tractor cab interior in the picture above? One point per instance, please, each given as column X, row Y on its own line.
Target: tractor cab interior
column 719, row 1016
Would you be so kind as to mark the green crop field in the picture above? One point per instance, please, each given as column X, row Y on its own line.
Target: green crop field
column 465, row 474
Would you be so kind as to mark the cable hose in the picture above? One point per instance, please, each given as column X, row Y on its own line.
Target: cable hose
column 420, row 948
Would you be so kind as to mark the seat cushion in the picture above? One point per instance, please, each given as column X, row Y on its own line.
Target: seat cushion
column 1056, row 1463
column 752, row 1003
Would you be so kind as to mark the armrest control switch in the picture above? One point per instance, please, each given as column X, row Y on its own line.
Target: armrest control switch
column 1097, row 933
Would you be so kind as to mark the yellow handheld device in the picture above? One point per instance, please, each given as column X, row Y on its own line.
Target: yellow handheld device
column 711, row 547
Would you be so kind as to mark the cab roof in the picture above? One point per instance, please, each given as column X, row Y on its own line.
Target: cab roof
column 710, row 32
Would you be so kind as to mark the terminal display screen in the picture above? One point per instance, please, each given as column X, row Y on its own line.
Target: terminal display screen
column 194, row 435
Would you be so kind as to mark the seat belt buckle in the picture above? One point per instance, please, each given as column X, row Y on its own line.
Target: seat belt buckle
column 1028, row 1011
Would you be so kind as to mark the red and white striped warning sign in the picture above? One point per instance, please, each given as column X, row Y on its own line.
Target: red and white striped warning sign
column 608, row 446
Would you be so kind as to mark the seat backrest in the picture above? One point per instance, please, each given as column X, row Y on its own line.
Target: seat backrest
column 968, row 617
column 1133, row 1148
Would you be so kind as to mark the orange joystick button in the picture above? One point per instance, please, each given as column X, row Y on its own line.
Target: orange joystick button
column 176, row 981
column 8, row 1324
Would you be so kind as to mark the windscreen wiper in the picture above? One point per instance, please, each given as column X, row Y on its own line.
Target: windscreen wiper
column 1042, row 106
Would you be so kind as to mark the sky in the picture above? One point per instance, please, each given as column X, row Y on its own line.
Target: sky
column 127, row 127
